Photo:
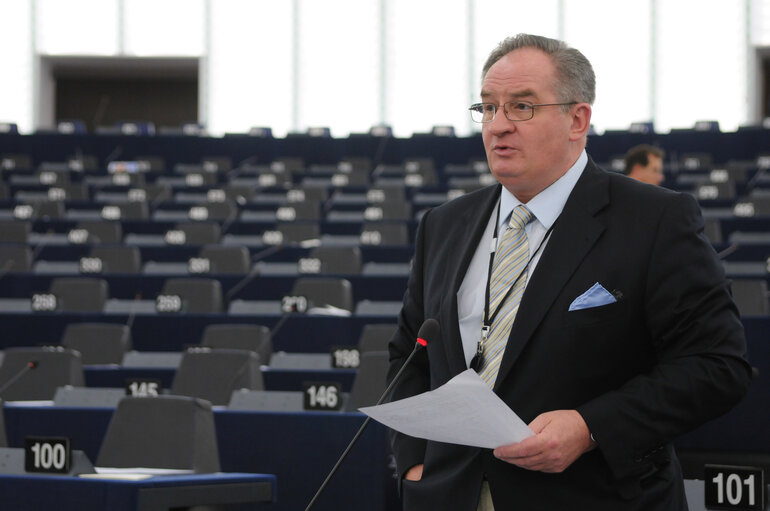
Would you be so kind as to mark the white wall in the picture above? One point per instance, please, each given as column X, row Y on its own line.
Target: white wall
column 413, row 64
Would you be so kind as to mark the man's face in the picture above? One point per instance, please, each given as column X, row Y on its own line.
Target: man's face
column 526, row 156
column 652, row 173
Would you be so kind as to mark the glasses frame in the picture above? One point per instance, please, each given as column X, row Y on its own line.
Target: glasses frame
column 505, row 110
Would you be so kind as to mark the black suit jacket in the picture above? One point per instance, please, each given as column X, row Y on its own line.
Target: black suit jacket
column 666, row 357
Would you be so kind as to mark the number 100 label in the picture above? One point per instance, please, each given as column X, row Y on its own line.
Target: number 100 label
column 735, row 488
column 49, row 455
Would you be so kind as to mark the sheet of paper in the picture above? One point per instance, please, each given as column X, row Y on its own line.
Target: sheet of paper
column 463, row 411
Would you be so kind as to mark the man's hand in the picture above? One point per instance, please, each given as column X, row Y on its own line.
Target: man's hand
column 414, row 473
column 560, row 438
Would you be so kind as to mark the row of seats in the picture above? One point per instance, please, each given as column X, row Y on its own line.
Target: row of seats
column 222, row 376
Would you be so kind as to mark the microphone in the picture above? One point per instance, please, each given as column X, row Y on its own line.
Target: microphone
column 254, row 273
column 721, row 255
column 29, row 366
column 428, row 332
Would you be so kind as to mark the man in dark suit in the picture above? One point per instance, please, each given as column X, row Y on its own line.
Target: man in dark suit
column 623, row 336
column 644, row 163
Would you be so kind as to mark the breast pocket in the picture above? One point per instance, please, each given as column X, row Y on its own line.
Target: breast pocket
column 612, row 312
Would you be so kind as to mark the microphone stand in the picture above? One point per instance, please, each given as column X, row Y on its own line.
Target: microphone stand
column 32, row 364
column 361, row 429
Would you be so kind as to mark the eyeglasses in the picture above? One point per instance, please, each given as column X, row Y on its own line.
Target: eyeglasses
column 514, row 110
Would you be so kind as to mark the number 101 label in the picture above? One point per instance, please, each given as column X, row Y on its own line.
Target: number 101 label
column 736, row 488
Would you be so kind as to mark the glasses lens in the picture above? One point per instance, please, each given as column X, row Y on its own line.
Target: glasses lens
column 483, row 112
column 519, row 110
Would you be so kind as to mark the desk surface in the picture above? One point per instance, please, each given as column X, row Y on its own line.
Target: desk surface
column 299, row 448
column 64, row 493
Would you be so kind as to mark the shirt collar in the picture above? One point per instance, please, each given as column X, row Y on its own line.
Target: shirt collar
column 548, row 204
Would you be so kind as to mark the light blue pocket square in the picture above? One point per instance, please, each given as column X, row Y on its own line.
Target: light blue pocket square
column 594, row 297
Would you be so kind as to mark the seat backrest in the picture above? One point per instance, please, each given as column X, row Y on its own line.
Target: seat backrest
column 307, row 210
column 79, row 294
column 14, row 231
column 227, row 259
column 199, row 296
column 255, row 338
column 375, row 233
column 321, row 292
column 98, row 343
column 137, row 210
column 116, row 259
column 751, row 296
column 53, row 368
column 297, row 232
column 369, row 383
column 15, row 258
column 200, row 233
column 214, row 374
column 103, row 231
column 221, row 211
column 338, row 260
column 376, row 336
column 175, row 432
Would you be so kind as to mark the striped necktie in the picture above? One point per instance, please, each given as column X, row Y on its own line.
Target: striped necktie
column 510, row 261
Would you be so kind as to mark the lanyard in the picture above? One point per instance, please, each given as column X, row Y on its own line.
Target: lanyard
column 487, row 322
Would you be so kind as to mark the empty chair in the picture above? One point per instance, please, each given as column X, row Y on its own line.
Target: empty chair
column 199, row 296
column 117, row 259
column 202, row 233
column 98, row 343
column 389, row 210
column 375, row 337
column 307, row 210
column 14, row 231
column 340, row 260
column 48, row 209
column 35, row 373
column 323, row 292
column 174, row 432
column 15, row 258
column 138, row 210
column 219, row 211
column 213, row 374
column 751, row 296
column 369, row 383
column 298, row 232
column 79, row 294
column 255, row 338
column 384, row 234
column 227, row 259
column 102, row 231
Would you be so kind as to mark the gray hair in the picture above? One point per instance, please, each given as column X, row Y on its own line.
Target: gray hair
column 575, row 79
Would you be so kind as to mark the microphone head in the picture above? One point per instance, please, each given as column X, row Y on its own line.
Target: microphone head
column 428, row 332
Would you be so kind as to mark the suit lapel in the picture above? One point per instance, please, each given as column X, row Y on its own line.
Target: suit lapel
column 574, row 233
column 468, row 242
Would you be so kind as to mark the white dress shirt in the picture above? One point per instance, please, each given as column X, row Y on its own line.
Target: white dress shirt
column 546, row 207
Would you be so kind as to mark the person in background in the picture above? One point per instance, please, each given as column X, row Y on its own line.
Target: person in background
column 645, row 163
column 591, row 304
